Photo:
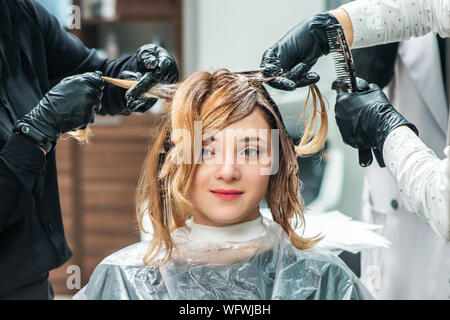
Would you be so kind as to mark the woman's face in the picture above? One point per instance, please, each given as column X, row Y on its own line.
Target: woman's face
column 231, row 181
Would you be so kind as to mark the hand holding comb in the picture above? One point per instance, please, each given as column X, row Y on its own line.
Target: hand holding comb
column 346, row 79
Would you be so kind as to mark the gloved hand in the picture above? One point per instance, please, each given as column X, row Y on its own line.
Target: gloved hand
column 365, row 118
column 68, row 106
column 155, row 65
column 300, row 48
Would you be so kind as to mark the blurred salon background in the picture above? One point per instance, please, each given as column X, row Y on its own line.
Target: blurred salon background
column 97, row 181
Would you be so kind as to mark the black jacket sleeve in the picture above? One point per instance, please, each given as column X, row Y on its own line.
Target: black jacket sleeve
column 21, row 172
column 67, row 55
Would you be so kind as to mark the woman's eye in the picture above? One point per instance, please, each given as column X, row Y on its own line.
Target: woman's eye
column 251, row 152
column 207, row 152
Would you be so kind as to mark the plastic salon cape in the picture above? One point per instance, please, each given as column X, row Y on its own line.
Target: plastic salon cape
column 267, row 267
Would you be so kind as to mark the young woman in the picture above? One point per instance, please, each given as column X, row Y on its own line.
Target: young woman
column 222, row 149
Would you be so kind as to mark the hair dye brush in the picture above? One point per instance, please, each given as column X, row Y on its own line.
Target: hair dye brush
column 345, row 71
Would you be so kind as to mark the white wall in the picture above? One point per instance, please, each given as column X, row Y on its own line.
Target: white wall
column 233, row 34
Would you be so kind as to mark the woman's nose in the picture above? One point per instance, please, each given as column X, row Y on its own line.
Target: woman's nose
column 228, row 171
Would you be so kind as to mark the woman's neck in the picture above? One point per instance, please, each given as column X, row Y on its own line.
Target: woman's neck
column 243, row 231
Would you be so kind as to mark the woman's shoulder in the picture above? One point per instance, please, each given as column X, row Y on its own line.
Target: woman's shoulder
column 321, row 261
column 327, row 276
column 123, row 275
column 319, row 257
column 131, row 255
column 323, row 257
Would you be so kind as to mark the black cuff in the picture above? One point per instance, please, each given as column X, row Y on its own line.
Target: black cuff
column 34, row 135
column 413, row 128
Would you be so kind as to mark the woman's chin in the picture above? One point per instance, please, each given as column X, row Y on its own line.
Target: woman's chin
column 227, row 218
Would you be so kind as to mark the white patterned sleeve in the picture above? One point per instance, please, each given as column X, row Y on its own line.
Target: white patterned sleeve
column 384, row 21
column 422, row 178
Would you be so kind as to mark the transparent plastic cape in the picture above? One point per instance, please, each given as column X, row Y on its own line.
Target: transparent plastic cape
column 264, row 268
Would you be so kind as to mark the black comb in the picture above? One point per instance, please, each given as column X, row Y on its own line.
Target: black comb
column 345, row 72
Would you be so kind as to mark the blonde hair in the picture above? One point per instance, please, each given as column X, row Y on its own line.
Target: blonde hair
column 219, row 99
column 82, row 135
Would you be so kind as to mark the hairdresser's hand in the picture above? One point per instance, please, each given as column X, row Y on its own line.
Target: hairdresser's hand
column 155, row 65
column 68, row 106
column 299, row 48
column 365, row 118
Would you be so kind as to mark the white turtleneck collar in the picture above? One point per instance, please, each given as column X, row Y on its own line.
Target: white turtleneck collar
column 244, row 231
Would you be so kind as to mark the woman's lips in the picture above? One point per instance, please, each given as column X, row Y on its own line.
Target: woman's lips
column 227, row 194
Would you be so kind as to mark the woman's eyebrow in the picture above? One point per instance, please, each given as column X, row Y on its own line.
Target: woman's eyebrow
column 251, row 139
column 209, row 140
column 245, row 139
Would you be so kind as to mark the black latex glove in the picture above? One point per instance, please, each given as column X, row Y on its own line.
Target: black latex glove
column 365, row 118
column 68, row 106
column 155, row 65
column 300, row 48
